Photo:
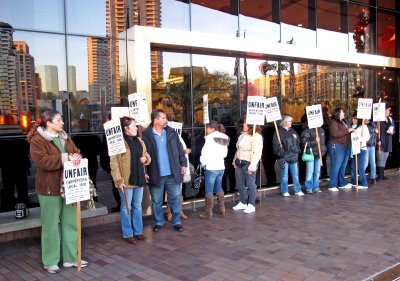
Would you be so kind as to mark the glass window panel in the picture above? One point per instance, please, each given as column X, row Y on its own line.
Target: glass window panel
column 388, row 4
column 175, row 14
column 386, row 34
column 328, row 15
column 364, row 43
column 212, row 76
column 89, row 82
column 388, row 91
column 44, row 15
column 295, row 13
column 171, row 89
column 256, row 20
column 298, row 36
column 86, row 17
column 214, row 17
column 298, row 88
column 34, row 77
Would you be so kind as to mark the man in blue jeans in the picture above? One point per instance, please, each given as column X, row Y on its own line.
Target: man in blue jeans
column 166, row 170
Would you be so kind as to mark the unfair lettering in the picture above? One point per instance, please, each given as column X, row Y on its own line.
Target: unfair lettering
column 113, row 130
column 78, row 172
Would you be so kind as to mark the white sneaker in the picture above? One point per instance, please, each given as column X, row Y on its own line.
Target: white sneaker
column 300, row 193
column 286, row 194
column 362, row 187
column 333, row 189
column 52, row 269
column 239, row 206
column 250, row 209
column 75, row 264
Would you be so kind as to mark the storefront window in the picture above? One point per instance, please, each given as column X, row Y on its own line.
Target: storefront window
column 361, row 29
column 386, row 34
column 387, row 92
column 171, row 91
column 214, row 17
column 43, row 15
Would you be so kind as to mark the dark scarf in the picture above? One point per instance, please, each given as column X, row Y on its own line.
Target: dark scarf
column 136, row 177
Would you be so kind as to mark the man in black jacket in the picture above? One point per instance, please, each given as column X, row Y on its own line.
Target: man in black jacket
column 166, row 169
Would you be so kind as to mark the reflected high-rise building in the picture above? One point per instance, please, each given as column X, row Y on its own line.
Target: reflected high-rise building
column 49, row 79
column 100, row 84
column 137, row 12
column 27, row 99
column 8, row 71
column 71, row 82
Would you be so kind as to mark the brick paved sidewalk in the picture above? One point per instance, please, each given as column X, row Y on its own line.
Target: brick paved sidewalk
column 345, row 235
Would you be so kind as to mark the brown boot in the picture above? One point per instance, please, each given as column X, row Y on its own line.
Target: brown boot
column 209, row 206
column 183, row 216
column 221, row 203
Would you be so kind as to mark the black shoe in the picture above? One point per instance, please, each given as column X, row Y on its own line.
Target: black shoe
column 157, row 228
column 373, row 181
column 178, row 227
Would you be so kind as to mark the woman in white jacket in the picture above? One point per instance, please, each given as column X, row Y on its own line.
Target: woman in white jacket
column 212, row 157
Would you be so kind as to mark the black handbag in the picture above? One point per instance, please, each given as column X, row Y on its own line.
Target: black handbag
column 198, row 181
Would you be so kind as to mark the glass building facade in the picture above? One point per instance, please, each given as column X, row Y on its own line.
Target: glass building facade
column 84, row 57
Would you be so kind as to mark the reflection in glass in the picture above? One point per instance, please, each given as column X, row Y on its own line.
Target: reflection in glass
column 172, row 91
column 214, row 17
column 211, row 76
column 45, row 15
column 86, row 17
column 387, row 91
column 33, row 76
column 175, row 14
column 386, row 34
column 256, row 20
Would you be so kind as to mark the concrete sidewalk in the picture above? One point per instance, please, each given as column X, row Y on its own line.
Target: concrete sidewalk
column 345, row 235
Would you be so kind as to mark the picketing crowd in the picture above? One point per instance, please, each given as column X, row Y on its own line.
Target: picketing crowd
column 159, row 159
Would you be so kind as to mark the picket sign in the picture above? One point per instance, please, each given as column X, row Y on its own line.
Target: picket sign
column 315, row 120
column 138, row 108
column 76, row 189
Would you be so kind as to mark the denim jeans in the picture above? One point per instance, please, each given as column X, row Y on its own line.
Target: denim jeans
column 339, row 155
column 370, row 159
column 213, row 181
column 294, row 171
column 174, row 192
column 246, row 185
column 313, row 169
column 361, row 168
column 133, row 224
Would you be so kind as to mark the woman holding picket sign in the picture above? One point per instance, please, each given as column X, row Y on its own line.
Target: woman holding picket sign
column 128, row 172
column 50, row 148
column 287, row 147
column 248, row 154
column 310, row 139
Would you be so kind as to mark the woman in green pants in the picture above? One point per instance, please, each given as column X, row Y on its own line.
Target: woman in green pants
column 50, row 147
